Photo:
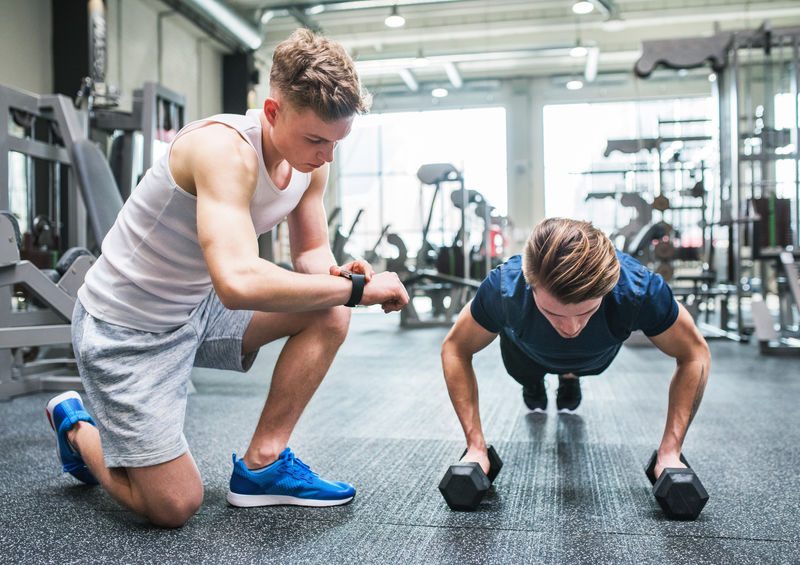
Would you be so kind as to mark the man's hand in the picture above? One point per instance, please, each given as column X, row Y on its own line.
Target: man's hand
column 664, row 461
column 384, row 289
column 360, row 266
column 478, row 455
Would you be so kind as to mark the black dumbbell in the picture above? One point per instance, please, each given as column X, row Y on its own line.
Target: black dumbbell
column 465, row 484
column 678, row 491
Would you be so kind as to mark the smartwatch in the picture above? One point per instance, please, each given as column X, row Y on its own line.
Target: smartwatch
column 358, row 287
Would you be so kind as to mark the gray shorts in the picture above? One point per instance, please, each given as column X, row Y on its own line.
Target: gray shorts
column 136, row 382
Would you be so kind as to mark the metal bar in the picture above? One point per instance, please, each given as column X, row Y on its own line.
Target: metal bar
column 793, row 279
column 735, row 188
column 73, row 123
column 465, row 244
column 4, row 156
column 26, row 318
column 35, row 336
column 20, row 99
column 24, row 272
column 15, row 387
column 149, row 108
column 796, row 133
column 38, row 149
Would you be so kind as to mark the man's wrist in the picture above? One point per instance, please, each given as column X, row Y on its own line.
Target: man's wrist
column 476, row 441
column 669, row 449
column 358, row 287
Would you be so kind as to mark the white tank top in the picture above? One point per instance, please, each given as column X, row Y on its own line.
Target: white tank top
column 152, row 274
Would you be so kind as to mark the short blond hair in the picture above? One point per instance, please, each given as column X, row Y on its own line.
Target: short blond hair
column 572, row 260
column 312, row 71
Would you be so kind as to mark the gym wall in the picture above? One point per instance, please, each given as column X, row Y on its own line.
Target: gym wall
column 189, row 62
column 26, row 44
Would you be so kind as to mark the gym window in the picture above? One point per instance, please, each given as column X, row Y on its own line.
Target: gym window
column 378, row 162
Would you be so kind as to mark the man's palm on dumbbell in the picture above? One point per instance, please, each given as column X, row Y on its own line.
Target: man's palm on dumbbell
column 477, row 455
column 671, row 461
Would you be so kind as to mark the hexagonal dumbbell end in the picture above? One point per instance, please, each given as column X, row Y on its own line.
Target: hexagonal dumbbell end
column 650, row 468
column 463, row 486
column 680, row 494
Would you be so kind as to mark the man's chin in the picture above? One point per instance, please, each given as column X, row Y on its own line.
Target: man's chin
column 565, row 336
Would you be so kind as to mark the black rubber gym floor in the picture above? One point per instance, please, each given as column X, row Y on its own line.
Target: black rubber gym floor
column 572, row 489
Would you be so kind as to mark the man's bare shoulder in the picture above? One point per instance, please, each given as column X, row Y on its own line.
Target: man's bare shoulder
column 209, row 151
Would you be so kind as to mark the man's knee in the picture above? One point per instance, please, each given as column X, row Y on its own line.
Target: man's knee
column 167, row 494
column 334, row 322
column 175, row 510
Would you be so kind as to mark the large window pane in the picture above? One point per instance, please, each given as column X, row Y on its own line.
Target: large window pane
column 378, row 163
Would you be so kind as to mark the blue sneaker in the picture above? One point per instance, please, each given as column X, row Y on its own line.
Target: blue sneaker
column 63, row 412
column 286, row 481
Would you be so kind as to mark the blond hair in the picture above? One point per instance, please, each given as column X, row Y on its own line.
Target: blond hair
column 312, row 71
column 572, row 260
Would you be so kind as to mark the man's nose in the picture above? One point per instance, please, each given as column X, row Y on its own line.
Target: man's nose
column 327, row 153
column 571, row 327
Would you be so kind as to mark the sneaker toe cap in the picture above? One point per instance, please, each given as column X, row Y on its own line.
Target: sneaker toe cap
column 339, row 489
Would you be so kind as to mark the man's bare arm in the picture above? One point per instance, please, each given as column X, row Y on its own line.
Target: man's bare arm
column 466, row 338
column 225, row 170
column 684, row 342
column 308, row 229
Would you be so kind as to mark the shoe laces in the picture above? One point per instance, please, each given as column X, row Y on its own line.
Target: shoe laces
column 296, row 468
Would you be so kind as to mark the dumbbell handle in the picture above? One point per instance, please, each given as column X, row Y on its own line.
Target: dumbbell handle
column 651, row 472
column 495, row 463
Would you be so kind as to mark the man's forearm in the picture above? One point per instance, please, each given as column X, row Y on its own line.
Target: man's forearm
column 261, row 285
column 462, row 386
column 314, row 261
column 685, row 394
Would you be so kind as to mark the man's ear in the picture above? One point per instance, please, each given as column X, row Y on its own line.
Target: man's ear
column 271, row 107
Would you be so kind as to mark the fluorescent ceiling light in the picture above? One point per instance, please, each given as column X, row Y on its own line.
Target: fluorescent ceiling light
column 582, row 7
column 575, row 85
column 394, row 19
column 267, row 16
column 439, row 92
column 613, row 25
column 421, row 61
column 316, row 9
column 578, row 51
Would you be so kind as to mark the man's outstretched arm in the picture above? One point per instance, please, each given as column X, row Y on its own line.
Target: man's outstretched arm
column 684, row 342
column 466, row 338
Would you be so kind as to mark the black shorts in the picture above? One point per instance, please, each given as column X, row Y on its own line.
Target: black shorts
column 527, row 371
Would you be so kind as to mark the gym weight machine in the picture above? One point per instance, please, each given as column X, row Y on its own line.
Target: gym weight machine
column 44, row 150
column 447, row 275
column 757, row 75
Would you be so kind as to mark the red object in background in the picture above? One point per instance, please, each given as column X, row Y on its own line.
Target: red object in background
column 497, row 242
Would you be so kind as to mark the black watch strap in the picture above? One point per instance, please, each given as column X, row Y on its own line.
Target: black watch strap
column 358, row 287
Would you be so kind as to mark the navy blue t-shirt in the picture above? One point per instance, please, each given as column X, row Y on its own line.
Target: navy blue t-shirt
column 641, row 300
